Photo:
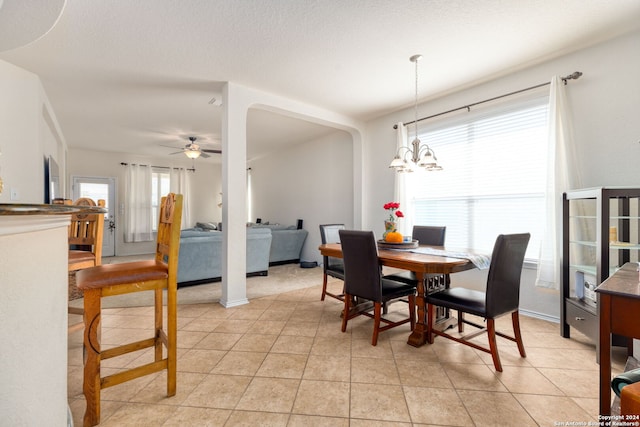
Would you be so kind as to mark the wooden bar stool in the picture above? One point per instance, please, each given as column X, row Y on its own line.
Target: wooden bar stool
column 85, row 244
column 117, row 279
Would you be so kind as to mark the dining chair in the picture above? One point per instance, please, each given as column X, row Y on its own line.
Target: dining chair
column 501, row 297
column 430, row 236
column 85, row 245
column 331, row 266
column 363, row 280
column 157, row 275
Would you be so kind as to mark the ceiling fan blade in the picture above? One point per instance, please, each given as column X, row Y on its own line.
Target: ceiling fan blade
column 211, row 151
column 171, row 146
column 204, row 155
column 177, row 152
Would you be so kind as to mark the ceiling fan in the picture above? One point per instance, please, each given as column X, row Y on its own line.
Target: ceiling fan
column 193, row 150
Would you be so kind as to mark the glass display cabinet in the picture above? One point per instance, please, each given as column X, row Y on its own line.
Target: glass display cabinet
column 600, row 233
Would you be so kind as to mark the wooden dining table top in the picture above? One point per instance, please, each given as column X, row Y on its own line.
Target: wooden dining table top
column 407, row 260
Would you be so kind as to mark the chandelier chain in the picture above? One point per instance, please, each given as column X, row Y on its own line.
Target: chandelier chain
column 415, row 108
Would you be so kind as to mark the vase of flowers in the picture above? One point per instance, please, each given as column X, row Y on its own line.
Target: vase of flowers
column 394, row 214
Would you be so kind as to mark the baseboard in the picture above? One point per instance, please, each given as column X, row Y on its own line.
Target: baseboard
column 217, row 279
column 288, row 261
column 540, row 316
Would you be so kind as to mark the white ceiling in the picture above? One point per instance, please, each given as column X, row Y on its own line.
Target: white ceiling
column 131, row 76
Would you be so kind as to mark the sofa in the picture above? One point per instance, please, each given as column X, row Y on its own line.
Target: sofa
column 200, row 257
column 286, row 242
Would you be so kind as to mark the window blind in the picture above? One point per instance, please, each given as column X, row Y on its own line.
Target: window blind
column 494, row 175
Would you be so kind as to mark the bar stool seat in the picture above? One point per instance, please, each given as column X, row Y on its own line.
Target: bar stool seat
column 129, row 273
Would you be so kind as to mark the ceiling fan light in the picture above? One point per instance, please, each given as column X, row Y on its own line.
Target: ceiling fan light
column 192, row 154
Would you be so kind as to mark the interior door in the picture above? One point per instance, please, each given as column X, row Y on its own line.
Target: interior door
column 100, row 188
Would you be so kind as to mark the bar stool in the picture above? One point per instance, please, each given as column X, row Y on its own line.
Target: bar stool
column 116, row 279
column 85, row 245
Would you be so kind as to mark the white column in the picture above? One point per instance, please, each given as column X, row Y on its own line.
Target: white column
column 234, row 195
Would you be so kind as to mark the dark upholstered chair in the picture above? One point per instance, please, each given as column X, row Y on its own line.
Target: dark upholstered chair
column 331, row 266
column 157, row 275
column 363, row 280
column 429, row 236
column 501, row 297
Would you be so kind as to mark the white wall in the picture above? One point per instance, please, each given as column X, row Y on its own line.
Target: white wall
column 312, row 181
column 605, row 102
column 29, row 134
column 204, row 194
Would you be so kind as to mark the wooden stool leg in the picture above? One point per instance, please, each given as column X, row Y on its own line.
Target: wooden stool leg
column 158, row 324
column 172, row 341
column 91, row 385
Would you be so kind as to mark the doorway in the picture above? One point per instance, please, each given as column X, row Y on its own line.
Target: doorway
column 100, row 188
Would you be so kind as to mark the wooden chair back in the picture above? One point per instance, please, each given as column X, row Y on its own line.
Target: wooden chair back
column 85, row 237
column 168, row 237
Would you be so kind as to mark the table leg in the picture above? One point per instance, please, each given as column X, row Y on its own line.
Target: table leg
column 605, row 354
column 419, row 335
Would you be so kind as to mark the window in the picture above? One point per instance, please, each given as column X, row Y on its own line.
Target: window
column 494, row 176
column 160, row 184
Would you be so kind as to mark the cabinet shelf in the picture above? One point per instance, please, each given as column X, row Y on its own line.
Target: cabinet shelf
column 612, row 245
column 588, row 247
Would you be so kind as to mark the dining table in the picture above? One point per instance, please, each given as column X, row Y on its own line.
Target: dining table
column 421, row 264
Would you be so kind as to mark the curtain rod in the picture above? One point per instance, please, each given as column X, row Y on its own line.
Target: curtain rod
column 575, row 75
column 159, row 167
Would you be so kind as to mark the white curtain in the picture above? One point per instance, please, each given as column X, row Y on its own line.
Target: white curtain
column 401, row 195
column 179, row 184
column 138, row 225
column 562, row 175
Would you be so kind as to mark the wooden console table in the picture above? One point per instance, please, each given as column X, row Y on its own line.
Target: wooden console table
column 618, row 311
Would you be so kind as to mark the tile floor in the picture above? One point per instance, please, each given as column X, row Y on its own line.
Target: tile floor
column 283, row 361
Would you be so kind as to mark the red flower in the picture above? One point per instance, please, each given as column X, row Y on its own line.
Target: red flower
column 392, row 206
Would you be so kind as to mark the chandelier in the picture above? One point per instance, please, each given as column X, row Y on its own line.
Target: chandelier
column 420, row 154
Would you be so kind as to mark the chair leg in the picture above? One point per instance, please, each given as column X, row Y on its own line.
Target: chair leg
column 493, row 345
column 515, row 318
column 345, row 313
column 377, row 314
column 324, row 286
column 91, row 383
